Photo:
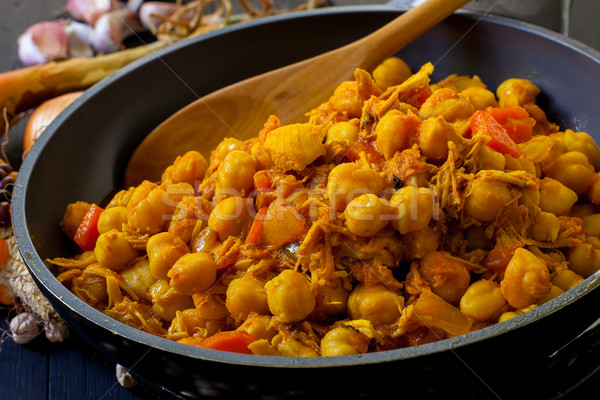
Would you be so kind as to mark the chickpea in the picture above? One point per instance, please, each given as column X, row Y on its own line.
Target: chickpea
column 139, row 278
column 114, row 251
column 505, row 316
column 332, row 299
column 73, row 217
column 557, row 147
column 487, row 197
column 147, row 209
column 229, row 216
column 545, row 227
column 526, row 279
column 591, row 225
column 520, row 164
column 367, row 214
column 446, row 103
column 480, row 97
column 488, row 158
column 395, row 131
column 583, row 143
column 573, row 170
column 375, row 303
column 344, row 131
column 555, row 197
column 210, row 305
column 414, row 208
column 458, row 83
column 516, row 92
column 112, row 218
column 421, row 242
column 163, row 250
column 225, row 147
column 554, row 292
column 259, row 326
column 189, row 168
column 344, row 341
column 482, row 300
column 566, row 279
column 166, row 302
column 348, row 181
column 433, row 136
column 246, row 295
column 184, row 220
column 193, row 273
column 289, row 296
column 447, row 275
column 584, row 259
column 530, row 196
column 391, row 72
column 347, row 100
column 236, row 173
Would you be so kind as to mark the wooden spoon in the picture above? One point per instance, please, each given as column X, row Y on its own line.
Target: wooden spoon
column 241, row 109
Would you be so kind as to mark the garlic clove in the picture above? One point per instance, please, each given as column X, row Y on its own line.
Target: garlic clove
column 124, row 377
column 152, row 11
column 89, row 11
column 24, row 328
column 79, row 39
column 112, row 28
column 56, row 333
column 43, row 42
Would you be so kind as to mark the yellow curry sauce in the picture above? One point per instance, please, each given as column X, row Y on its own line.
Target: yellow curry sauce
column 403, row 212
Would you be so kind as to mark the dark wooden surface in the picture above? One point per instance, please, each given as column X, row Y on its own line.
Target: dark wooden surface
column 74, row 370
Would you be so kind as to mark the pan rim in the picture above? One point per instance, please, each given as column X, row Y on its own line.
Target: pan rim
column 45, row 278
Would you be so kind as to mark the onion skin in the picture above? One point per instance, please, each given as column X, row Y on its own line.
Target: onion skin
column 44, row 115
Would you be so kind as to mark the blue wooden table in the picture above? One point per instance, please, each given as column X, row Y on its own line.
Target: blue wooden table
column 69, row 370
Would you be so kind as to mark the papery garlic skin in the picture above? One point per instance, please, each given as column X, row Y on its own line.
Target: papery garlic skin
column 89, row 11
column 55, row 332
column 24, row 328
column 43, row 42
column 124, row 377
column 79, row 35
column 112, row 28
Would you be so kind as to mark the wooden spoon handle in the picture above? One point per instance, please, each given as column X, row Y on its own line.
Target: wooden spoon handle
column 240, row 110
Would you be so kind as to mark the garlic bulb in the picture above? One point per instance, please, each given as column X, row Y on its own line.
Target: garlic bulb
column 56, row 333
column 89, row 11
column 24, row 328
column 43, row 42
column 112, row 28
column 79, row 39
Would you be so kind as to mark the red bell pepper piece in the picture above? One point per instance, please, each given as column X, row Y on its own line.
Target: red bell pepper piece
column 87, row 232
column 257, row 226
column 232, row 341
column 484, row 123
column 516, row 120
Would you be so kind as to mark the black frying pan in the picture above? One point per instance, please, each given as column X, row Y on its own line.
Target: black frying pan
column 82, row 156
